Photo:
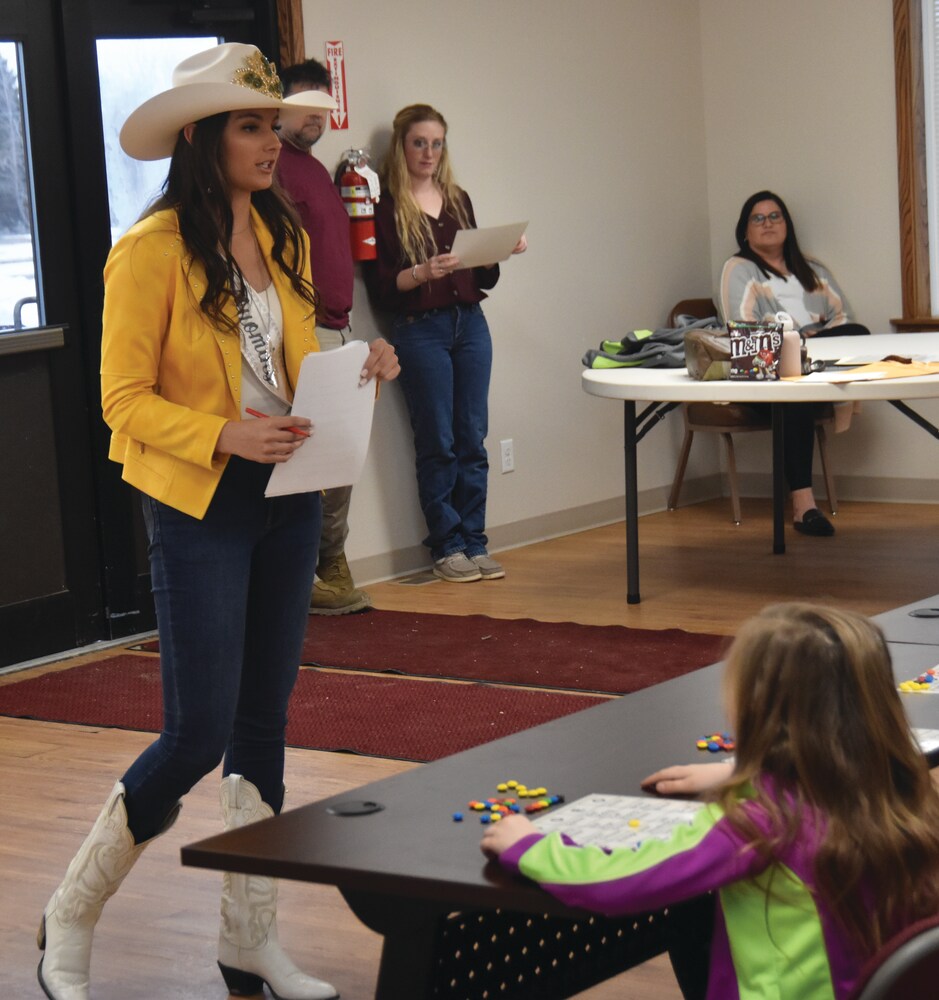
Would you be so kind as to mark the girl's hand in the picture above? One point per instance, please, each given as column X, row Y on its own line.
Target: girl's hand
column 440, row 266
column 688, row 779
column 268, row 440
column 522, row 244
column 381, row 363
column 501, row 836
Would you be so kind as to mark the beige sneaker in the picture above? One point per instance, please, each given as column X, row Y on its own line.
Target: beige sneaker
column 489, row 569
column 457, row 568
column 334, row 593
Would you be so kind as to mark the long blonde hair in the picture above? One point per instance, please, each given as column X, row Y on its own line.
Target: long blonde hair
column 414, row 231
column 821, row 730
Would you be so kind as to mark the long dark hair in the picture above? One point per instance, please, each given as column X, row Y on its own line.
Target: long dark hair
column 821, row 733
column 794, row 258
column 197, row 189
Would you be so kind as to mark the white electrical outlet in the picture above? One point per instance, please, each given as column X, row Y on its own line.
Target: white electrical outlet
column 508, row 455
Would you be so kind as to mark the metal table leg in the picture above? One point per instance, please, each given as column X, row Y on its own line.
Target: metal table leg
column 779, row 485
column 632, row 502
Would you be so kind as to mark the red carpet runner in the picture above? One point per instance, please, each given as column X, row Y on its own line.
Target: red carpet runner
column 400, row 714
column 607, row 658
column 397, row 717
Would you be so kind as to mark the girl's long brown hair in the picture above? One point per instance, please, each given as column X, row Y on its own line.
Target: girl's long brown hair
column 414, row 230
column 817, row 713
column 197, row 189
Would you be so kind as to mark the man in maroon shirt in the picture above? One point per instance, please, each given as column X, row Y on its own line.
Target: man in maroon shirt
column 326, row 221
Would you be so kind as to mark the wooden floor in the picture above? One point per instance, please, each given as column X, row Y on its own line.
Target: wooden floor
column 156, row 939
column 700, row 572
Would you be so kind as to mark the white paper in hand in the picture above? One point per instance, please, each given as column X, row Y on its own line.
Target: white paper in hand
column 328, row 392
column 481, row 247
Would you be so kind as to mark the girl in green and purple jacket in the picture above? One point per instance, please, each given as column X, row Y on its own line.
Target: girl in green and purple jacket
column 819, row 842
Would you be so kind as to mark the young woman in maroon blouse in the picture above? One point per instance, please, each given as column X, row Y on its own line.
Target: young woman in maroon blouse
column 442, row 339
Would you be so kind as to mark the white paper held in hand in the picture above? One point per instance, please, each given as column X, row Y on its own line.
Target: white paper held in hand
column 328, row 392
column 479, row 247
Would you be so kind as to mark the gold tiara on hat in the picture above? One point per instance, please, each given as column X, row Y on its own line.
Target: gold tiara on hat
column 260, row 74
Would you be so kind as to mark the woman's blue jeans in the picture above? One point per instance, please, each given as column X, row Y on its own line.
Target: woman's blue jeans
column 232, row 595
column 446, row 360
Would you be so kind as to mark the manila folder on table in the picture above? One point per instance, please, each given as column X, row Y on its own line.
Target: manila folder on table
column 328, row 392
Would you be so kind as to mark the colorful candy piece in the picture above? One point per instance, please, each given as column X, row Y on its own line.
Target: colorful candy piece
column 924, row 682
column 715, row 742
column 494, row 808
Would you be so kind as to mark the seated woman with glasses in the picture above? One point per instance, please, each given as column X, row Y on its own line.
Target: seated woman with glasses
column 770, row 274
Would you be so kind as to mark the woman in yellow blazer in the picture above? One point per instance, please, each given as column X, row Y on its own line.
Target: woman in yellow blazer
column 209, row 310
column 167, row 397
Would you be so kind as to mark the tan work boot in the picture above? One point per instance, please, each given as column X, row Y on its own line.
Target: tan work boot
column 334, row 593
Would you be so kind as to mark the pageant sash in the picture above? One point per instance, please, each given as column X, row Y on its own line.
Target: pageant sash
column 262, row 342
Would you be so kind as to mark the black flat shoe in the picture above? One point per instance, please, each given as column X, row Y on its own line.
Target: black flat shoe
column 814, row 523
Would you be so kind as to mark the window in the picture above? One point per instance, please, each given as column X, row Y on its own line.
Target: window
column 19, row 299
column 129, row 72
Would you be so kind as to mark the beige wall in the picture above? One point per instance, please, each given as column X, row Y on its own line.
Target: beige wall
column 822, row 134
column 628, row 132
column 581, row 125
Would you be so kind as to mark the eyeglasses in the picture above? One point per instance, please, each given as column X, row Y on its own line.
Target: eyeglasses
column 436, row 145
column 759, row 218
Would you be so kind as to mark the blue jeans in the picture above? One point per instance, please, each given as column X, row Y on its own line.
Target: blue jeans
column 232, row 594
column 446, row 359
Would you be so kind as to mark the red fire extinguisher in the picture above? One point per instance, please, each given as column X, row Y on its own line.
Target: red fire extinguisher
column 358, row 187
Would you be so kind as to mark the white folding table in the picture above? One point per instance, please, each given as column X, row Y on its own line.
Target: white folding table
column 675, row 385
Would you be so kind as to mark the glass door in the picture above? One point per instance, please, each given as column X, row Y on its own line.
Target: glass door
column 18, row 288
column 50, row 596
column 73, row 566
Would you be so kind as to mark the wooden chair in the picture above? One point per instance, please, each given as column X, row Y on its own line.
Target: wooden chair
column 728, row 419
column 907, row 966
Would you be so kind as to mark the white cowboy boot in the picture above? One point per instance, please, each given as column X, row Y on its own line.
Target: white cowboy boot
column 249, row 953
column 92, row 878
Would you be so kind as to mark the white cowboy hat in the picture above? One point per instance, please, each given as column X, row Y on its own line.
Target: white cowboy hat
column 230, row 77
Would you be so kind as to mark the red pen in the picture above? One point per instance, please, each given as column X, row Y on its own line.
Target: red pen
column 293, row 430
